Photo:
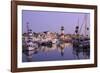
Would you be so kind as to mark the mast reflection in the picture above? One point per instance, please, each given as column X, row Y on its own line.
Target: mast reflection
column 81, row 51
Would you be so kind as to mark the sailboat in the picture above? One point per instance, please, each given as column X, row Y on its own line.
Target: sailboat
column 79, row 40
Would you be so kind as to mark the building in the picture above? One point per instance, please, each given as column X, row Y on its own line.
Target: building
column 62, row 36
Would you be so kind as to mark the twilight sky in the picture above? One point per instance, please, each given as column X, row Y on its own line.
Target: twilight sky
column 40, row 21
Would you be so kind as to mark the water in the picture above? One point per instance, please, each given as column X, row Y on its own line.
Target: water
column 63, row 51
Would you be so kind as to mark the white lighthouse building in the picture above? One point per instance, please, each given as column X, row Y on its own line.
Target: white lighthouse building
column 62, row 33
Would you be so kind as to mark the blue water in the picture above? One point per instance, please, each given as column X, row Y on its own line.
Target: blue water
column 64, row 51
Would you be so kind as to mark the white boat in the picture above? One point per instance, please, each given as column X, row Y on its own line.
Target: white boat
column 31, row 46
column 54, row 41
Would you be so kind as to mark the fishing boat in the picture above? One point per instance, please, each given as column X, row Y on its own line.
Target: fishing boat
column 29, row 43
column 81, row 41
column 54, row 41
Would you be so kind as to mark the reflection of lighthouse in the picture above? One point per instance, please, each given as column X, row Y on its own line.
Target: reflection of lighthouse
column 62, row 32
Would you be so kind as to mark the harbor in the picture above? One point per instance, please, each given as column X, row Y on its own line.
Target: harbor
column 54, row 46
column 55, row 36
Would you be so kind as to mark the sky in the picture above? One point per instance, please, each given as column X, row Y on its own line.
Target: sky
column 40, row 21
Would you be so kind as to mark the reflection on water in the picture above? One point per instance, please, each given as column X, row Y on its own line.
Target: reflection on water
column 62, row 51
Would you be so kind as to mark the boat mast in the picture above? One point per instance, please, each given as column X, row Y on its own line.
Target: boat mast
column 27, row 27
column 85, row 25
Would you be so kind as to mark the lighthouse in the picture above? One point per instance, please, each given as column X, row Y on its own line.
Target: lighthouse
column 62, row 33
column 62, row 30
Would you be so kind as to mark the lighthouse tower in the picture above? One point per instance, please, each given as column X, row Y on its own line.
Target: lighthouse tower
column 62, row 33
column 62, row 30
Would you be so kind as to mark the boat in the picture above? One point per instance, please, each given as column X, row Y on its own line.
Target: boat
column 30, row 45
column 54, row 41
column 81, row 41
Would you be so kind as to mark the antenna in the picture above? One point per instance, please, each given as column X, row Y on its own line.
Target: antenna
column 27, row 26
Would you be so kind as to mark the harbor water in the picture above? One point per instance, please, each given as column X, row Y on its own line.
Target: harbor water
column 56, row 52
